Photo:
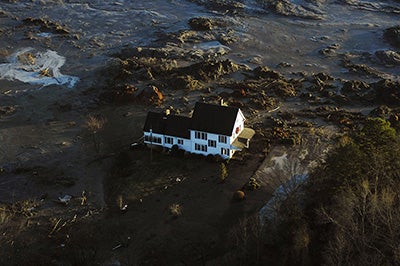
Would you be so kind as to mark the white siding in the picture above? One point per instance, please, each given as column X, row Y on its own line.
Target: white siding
column 153, row 136
column 212, row 150
column 199, row 141
column 191, row 144
column 239, row 123
column 187, row 144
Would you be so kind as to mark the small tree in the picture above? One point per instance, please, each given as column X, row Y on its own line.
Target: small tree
column 224, row 172
column 94, row 125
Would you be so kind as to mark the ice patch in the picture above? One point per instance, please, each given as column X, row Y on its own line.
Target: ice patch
column 212, row 45
column 44, row 34
column 33, row 67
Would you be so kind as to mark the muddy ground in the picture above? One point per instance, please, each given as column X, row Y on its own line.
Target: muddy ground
column 67, row 129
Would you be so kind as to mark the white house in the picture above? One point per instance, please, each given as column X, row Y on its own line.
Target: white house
column 212, row 129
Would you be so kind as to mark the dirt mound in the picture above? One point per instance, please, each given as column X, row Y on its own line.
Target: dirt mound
column 212, row 70
column 354, row 86
column 387, row 57
column 266, row 73
column 202, row 23
column 287, row 8
column 229, row 6
column 46, row 25
column 392, row 35
column 7, row 110
column 334, row 115
column 185, row 82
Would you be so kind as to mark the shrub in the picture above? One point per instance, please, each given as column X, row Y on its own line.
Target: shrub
column 239, row 195
column 224, row 172
column 175, row 210
column 252, row 184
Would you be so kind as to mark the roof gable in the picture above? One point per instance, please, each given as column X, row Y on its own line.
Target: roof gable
column 171, row 125
column 213, row 118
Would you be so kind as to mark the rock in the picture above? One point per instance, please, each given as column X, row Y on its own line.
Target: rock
column 392, row 35
column 388, row 57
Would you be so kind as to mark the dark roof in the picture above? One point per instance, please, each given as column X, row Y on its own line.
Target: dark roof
column 213, row 118
column 172, row 125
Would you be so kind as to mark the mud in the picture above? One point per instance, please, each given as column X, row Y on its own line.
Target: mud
column 299, row 70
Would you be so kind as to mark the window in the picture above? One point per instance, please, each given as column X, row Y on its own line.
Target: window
column 237, row 130
column 152, row 139
column 200, row 135
column 168, row 140
column 222, row 139
column 224, row 151
column 212, row 143
column 180, row 141
column 199, row 147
